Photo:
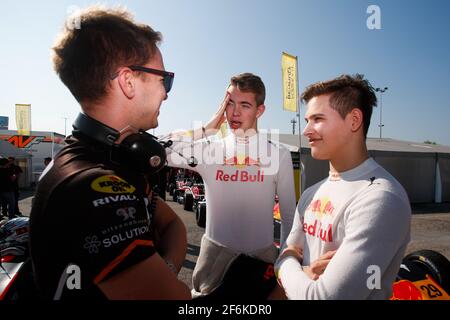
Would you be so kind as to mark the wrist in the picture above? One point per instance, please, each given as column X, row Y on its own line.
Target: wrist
column 208, row 128
column 283, row 260
column 290, row 252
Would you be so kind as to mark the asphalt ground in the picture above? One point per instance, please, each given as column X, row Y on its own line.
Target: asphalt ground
column 430, row 229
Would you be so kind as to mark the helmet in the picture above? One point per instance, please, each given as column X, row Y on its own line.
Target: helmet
column 15, row 232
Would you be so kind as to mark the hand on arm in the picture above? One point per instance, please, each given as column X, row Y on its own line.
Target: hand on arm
column 317, row 268
column 294, row 251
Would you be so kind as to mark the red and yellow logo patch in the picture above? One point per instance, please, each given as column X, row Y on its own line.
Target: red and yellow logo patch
column 112, row 184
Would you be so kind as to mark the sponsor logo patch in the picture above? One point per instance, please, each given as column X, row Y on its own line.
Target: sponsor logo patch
column 112, row 184
column 240, row 175
column 321, row 207
column 241, row 161
column 93, row 244
column 114, row 199
column 317, row 230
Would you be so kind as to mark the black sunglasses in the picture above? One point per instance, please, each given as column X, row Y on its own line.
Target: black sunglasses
column 168, row 76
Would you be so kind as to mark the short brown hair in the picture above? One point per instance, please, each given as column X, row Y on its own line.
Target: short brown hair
column 248, row 82
column 346, row 92
column 86, row 57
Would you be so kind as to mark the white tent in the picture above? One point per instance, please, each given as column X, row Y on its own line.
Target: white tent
column 9, row 150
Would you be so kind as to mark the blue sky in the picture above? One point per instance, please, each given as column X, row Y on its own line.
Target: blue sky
column 206, row 42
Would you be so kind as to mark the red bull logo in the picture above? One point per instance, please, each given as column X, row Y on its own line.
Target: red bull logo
column 321, row 207
column 241, row 161
column 240, row 175
column 318, row 231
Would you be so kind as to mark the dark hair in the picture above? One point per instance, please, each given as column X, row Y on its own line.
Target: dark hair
column 85, row 58
column 346, row 92
column 48, row 159
column 248, row 82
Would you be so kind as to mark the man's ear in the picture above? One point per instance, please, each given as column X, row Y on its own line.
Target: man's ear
column 126, row 83
column 260, row 110
column 356, row 119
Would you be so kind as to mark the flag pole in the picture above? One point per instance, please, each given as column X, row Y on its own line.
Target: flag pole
column 53, row 141
column 31, row 151
column 299, row 132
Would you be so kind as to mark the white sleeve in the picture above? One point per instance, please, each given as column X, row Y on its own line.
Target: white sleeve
column 377, row 230
column 286, row 193
column 296, row 238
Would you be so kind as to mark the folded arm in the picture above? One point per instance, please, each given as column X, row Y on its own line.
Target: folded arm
column 376, row 231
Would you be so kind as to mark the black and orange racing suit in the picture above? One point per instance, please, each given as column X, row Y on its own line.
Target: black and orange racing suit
column 91, row 219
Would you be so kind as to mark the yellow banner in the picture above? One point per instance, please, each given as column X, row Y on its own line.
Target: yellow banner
column 290, row 86
column 23, row 119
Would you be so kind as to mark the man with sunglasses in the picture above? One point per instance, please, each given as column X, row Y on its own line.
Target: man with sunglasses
column 97, row 230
